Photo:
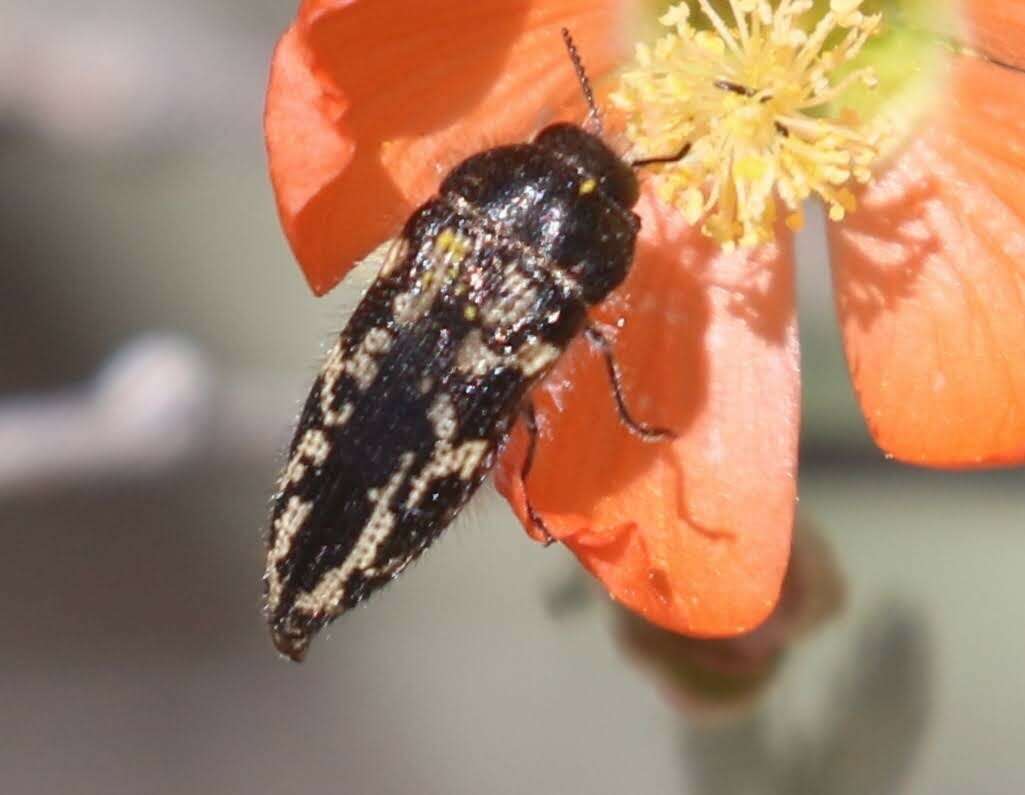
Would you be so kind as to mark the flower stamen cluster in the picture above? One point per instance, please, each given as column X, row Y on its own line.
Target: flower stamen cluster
column 754, row 102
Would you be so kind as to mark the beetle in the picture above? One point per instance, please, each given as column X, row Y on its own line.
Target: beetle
column 485, row 287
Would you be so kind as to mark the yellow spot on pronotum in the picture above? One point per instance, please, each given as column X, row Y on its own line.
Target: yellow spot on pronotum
column 588, row 186
column 470, row 312
column 752, row 99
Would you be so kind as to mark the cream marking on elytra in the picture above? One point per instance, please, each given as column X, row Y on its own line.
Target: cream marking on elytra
column 330, row 591
column 442, row 415
column 363, row 369
column 402, row 307
column 362, row 366
column 286, row 526
column 340, row 417
column 569, row 285
column 389, row 568
column 535, row 357
column 330, row 373
column 294, row 472
column 377, row 341
column 312, row 448
column 446, row 460
column 474, row 357
column 517, row 295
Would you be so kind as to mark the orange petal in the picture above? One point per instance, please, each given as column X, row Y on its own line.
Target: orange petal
column 307, row 147
column 370, row 103
column 997, row 28
column 930, row 277
column 691, row 533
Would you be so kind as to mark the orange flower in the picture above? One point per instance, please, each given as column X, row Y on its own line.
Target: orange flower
column 371, row 101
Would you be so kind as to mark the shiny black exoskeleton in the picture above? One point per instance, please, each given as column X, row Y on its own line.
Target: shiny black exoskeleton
column 488, row 283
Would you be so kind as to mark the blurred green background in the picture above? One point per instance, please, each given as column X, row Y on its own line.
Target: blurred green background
column 157, row 341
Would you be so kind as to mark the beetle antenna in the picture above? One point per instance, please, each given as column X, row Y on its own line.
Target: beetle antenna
column 593, row 121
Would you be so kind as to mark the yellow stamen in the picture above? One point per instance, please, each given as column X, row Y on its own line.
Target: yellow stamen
column 751, row 101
